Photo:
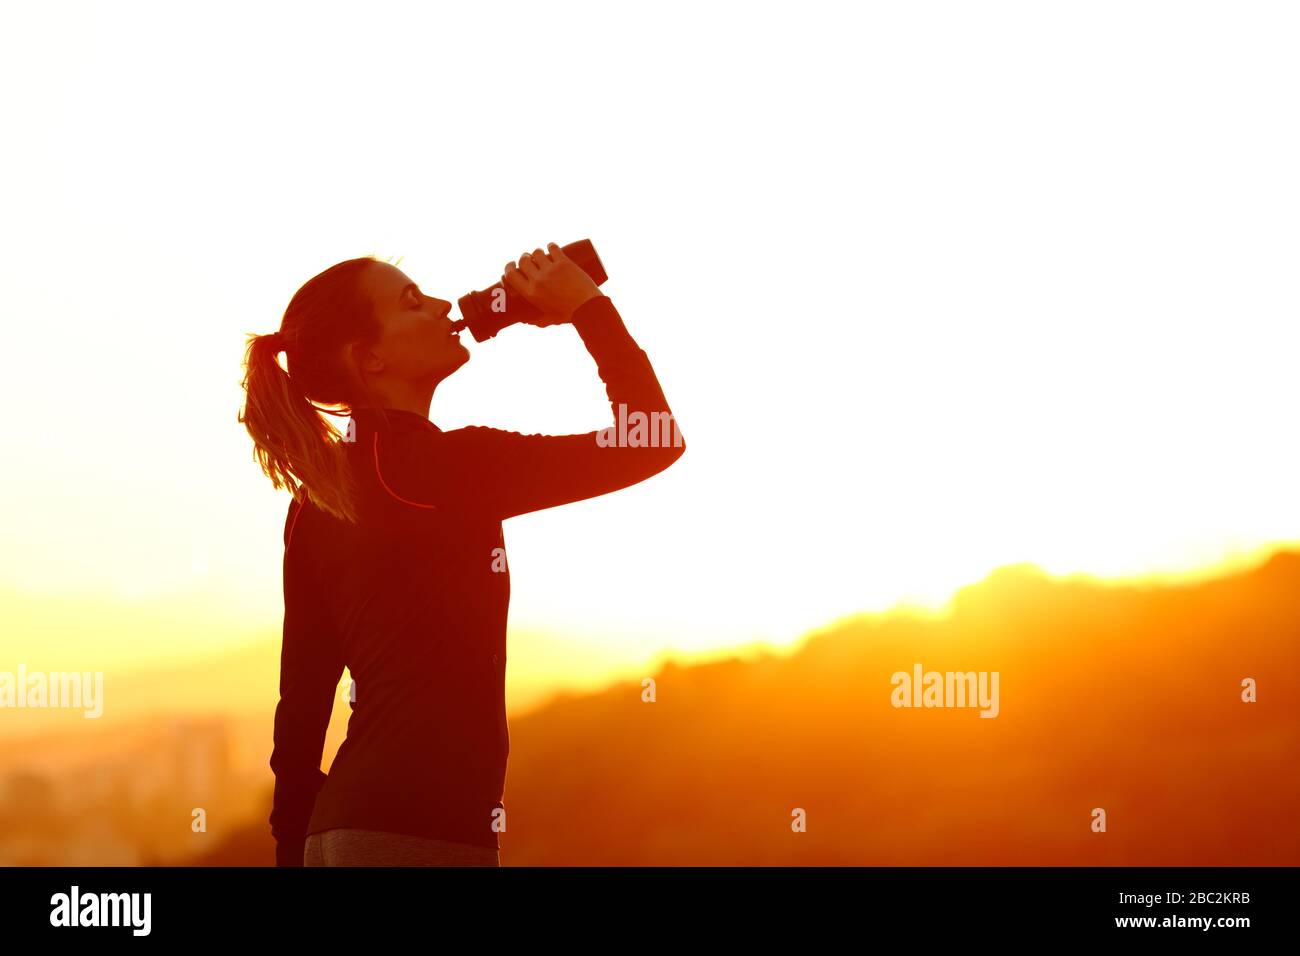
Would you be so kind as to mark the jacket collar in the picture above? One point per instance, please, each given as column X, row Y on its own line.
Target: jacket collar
column 374, row 418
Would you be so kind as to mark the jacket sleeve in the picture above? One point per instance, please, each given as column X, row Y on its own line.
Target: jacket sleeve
column 506, row 473
column 311, row 664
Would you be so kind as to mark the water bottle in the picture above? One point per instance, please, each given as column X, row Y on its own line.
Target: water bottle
column 487, row 312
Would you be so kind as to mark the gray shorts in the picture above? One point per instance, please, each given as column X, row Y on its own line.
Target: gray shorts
column 346, row 846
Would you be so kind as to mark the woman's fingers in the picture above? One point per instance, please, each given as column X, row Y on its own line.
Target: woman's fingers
column 532, row 266
column 528, row 263
column 514, row 279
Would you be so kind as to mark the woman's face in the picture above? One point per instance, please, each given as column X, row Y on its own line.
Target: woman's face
column 416, row 345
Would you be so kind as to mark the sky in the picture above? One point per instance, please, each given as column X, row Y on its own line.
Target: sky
column 931, row 287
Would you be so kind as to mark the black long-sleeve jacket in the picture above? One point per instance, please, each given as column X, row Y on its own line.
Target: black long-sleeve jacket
column 413, row 601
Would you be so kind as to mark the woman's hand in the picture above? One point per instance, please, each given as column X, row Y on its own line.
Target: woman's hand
column 552, row 282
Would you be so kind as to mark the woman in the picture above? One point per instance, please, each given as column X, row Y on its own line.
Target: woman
column 394, row 563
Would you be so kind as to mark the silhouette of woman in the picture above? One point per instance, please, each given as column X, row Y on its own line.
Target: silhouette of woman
column 394, row 562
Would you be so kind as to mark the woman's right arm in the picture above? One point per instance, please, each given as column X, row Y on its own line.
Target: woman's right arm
column 505, row 473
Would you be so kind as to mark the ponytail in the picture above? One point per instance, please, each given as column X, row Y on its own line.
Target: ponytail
column 294, row 445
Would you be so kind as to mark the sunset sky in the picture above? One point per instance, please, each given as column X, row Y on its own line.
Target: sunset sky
column 926, row 299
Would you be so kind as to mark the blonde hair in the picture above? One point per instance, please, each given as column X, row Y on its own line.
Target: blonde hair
column 295, row 446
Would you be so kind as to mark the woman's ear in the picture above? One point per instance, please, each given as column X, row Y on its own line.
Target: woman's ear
column 361, row 357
